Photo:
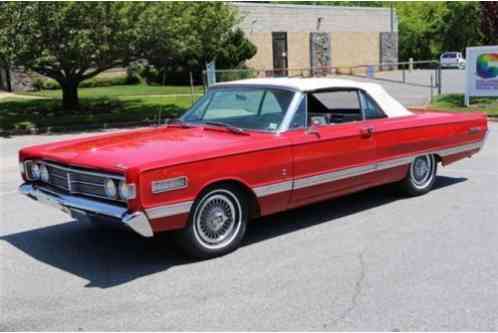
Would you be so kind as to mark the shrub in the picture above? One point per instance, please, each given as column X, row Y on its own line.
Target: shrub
column 105, row 80
column 40, row 83
column 236, row 75
column 24, row 125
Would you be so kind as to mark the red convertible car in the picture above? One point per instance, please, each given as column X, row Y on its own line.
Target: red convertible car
column 247, row 149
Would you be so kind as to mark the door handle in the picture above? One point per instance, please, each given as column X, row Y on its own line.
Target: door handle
column 366, row 132
column 314, row 130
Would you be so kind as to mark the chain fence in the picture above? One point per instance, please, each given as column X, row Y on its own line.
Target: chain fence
column 426, row 73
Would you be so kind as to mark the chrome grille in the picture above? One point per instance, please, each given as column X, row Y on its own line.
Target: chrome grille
column 79, row 181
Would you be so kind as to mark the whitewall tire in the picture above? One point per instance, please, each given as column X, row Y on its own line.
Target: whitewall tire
column 217, row 223
column 421, row 175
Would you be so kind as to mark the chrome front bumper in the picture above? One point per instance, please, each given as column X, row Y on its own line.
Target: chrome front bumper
column 70, row 204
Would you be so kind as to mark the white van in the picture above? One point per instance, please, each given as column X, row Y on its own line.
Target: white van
column 452, row 59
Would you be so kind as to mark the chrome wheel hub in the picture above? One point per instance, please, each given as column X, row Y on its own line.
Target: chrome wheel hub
column 422, row 170
column 217, row 219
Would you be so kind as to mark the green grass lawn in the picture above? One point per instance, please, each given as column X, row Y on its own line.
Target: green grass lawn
column 130, row 90
column 99, row 107
column 455, row 103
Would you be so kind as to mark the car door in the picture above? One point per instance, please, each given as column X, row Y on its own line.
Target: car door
column 390, row 142
column 330, row 155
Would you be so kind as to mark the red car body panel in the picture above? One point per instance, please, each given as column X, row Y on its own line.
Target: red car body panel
column 291, row 161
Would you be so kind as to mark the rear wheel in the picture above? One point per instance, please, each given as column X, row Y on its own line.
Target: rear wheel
column 421, row 175
column 217, row 223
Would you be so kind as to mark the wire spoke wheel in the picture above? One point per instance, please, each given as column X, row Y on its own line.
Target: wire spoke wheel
column 217, row 219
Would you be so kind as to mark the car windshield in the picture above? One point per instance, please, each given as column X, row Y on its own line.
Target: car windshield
column 260, row 109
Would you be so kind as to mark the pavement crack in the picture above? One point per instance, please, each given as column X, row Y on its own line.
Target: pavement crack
column 357, row 289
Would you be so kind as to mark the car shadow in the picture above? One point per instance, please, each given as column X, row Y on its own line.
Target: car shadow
column 108, row 258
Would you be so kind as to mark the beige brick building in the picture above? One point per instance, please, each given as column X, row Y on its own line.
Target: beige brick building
column 304, row 36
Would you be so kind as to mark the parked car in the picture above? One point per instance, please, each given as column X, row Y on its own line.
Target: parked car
column 452, row 59
column 247, row 149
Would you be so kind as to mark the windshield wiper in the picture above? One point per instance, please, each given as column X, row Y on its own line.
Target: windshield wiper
column 231, row 128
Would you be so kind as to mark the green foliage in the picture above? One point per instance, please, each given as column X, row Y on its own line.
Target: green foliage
column 236, row 75
column 71, row 42
column 427, row 29
column 455, row 103
column 459, row 26
column 95, row 112
column 417, row 27
column 489, row 22
column 41, row 83
column 68, row 41
column 235, row 49
column 120, row 91
column 183, row 37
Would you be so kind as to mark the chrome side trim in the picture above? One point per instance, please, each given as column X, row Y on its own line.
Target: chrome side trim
column 137, row 221
column 169, row 210
column 460, row 149
column 327, row 177
column 332, row 176
column 265, row 190
column 394, row 163
column 156, row 182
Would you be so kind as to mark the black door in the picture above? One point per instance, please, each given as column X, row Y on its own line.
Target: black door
column 279, row 53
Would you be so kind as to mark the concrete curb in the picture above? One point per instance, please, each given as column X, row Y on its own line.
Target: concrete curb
column 69, row 129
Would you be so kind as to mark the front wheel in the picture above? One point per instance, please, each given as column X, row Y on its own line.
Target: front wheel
column 217, row 223
column 421, row 175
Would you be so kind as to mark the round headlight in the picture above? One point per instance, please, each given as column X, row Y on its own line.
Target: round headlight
column 44, row 173
column 35, row 171
column 124, row 190
column 110, row 188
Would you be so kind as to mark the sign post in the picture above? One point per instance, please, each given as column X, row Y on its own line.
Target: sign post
column 481, row 72
column 211, row 73
column 370, row 71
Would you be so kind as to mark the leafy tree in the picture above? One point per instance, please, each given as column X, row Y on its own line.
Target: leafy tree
column 166, row 30
column 235, row 50
column 418, row 25
column 68, row 41
column 191, row 35
column 489, row 22
column 459, row 26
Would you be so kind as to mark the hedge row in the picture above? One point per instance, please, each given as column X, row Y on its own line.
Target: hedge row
column 98, row 81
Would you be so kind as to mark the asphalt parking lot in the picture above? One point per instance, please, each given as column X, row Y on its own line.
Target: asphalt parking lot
column 369, row 261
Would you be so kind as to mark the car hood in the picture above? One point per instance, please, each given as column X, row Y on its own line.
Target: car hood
column 146, row 148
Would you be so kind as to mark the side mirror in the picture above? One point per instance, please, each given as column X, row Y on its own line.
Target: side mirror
column 314, row 129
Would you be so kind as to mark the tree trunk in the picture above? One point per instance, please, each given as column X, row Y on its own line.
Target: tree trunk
column 70, row 99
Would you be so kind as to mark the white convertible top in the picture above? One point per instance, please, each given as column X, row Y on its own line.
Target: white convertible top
column 388, row 104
